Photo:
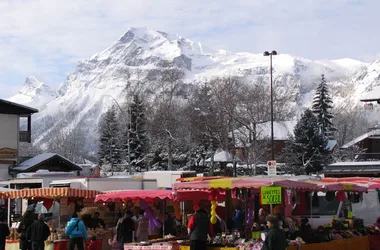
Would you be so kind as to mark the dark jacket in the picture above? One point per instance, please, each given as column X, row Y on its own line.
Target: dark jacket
column 169, row 225
column 201, row 226
column 275, row 240
column 96, row 223
column 125, row 231
column 23, row 227
column 4, row 232
column 25, row 223
column 38, row 231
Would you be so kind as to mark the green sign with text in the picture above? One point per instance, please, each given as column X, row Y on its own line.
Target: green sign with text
column 271, row 195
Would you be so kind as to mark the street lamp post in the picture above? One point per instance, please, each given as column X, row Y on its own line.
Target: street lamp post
column 270, row 54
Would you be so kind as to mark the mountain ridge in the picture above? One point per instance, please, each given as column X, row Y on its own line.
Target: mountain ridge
column 137, row 58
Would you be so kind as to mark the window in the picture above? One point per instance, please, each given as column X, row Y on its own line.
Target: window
column 324, row 207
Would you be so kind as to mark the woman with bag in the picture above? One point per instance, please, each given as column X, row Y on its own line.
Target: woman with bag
column 77, row 233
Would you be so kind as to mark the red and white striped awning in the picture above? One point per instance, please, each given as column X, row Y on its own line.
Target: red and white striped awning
column 52, row 193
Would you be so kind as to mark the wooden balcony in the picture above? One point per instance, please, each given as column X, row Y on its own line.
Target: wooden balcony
column 25, row 136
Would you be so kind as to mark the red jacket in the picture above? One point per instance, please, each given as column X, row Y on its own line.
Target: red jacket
column 191, row 226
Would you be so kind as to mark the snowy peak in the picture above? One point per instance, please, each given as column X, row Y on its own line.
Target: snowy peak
column 34, row 93
column 34, row 87
column 136, row 61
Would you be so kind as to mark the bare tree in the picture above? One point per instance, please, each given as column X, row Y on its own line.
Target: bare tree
column 347, row 154
column 350, row 121
column 69, row 144
column 165, row 107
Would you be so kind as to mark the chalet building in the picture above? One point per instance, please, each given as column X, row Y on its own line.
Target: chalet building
column 43, row 163
column 12, row 116
column 366, row 164
column 260, row 140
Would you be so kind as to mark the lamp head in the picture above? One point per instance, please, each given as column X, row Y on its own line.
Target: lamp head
column 274, row 53
column 266, row 53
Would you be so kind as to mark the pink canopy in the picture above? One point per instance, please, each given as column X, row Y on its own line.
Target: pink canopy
column 339, row 186
column 192, row 195
column 373, row 185
column 244, row 182
column 126, row 195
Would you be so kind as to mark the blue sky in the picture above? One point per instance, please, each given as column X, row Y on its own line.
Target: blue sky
column 46, row 38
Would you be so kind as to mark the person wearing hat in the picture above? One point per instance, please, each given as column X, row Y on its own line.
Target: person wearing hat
column 38, row 232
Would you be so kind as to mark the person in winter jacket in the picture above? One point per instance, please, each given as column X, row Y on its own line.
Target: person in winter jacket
column 125, row 229
column 38, row 232
column 77, row 233
column 238, row 218
column 26, row 221
column 4, row 232
column 275, row 238
column 200, row 228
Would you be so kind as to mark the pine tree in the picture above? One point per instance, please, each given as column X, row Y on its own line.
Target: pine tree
column 136, row 137
column 306, row 153
column 109, row 149
column 322, row 105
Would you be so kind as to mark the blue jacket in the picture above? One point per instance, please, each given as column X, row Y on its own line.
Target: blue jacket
column 238, row 219
column 76, row 229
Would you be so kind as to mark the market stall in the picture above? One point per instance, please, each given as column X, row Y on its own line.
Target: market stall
column 60, row 203
column 144, row 197
column 343, row 236
column 368, row 208
column 256, row 192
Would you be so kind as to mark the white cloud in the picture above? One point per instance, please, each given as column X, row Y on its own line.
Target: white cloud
column 45, row 38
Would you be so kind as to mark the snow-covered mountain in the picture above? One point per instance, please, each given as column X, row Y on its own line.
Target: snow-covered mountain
column 136, row 60
column 34, row 94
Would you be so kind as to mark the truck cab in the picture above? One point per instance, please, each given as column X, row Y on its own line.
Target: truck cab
column 323, row 210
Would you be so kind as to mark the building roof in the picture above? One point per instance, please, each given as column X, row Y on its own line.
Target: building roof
column 223, row 156
column 12, row 108
column 372, row 133
column 282, row 130
column 358, row 168
column 41, row 159
column 331, row 144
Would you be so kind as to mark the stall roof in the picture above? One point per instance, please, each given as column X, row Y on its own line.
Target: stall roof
column 244, row 182
column 126, row 195
column 201, row 178
column 3, row 192
column 52, row 193
column 339, row 186
column 367, row 182
column 151, row 195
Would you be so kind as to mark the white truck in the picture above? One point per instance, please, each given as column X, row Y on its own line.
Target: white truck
column 166, row 179
column 368, row 209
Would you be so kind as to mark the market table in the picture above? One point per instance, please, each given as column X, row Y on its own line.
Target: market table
column 358, row 243
column 15, row 245
column 155, row 246
column 210, row 248
column 374, row 242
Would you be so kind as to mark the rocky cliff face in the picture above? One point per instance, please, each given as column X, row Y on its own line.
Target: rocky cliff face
column 138, row 58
